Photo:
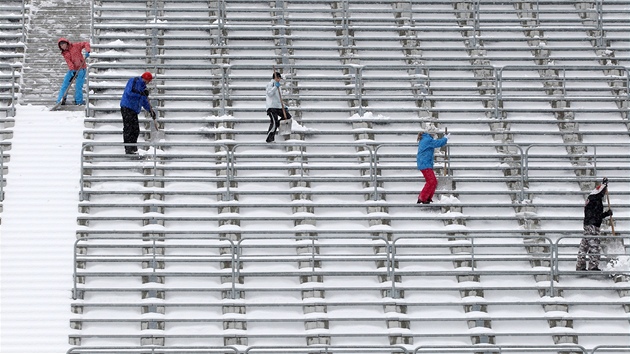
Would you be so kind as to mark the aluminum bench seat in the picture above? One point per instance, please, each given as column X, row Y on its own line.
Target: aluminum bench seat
column 411, row 215
column 211, row 120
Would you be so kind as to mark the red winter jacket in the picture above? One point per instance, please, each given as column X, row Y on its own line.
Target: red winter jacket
column 73, row 55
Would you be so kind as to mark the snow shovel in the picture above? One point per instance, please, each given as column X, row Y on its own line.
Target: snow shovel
column 284, row 128
column 612, row 248
column 156, row 134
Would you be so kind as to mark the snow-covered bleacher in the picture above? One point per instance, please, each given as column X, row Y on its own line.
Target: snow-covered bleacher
column 13, row 22
column 437, row 287
column 215, row 238
column 13, row 19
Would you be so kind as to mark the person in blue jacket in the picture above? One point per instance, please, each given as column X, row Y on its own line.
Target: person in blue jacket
column 424, row 159
column 134, row 98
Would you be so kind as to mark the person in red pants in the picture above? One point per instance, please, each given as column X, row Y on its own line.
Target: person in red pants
column 426, row 147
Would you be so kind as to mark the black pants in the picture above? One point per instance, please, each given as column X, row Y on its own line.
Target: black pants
column 131, row 129
column 275, row 114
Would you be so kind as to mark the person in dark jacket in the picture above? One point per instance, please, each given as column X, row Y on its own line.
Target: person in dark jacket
column 424, row 160
column 72, row 53
column 593, row 216
column 134, row 98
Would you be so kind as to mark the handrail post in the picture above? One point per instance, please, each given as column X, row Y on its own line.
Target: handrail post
column 599, row 7
column 312, row 255
column 155, row 147
column 14, row 90
column 81, row 180
column 345, row 23
column 229, row 166
column 236, row 266
column 92, row 15
column 220, row 22
column 392, row 251
column 373, row 162
column 87, row 93
column 498, row 92
column 224, row 88
column 301, row 162
column 358, row 88
column 74, row 270
column 24, row 21
column 595, row 160
column 233, row 270
column 472, row 254
column 554, row 267
column 522, row 173
column 153, row 258
column 154, row 32
column 476, row 22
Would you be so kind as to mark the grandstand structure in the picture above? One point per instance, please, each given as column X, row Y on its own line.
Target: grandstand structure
column 217, row 241
column 13, row 19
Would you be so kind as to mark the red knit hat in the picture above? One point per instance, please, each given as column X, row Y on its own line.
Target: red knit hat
column 147, row 76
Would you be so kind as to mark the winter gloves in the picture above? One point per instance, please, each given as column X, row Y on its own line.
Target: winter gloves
column 605, row 181
column 277, row 84
column 87, row 55
column 608, row 213
column 153, row 115
column 145, row 93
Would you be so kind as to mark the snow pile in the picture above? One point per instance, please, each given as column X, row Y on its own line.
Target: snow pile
column 369, row 116
column 619, row 265
column 297, row 127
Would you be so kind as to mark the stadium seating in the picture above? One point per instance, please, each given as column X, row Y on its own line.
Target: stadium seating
column 13, row 19
column 214, row 238
column 12, row 34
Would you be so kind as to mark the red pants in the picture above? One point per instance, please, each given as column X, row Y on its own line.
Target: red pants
column 429, row 187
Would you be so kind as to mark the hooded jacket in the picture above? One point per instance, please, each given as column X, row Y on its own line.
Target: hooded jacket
column 73, row 55
column 594, row 208
column 273, row 99
column 426, row 147
column 133, row 97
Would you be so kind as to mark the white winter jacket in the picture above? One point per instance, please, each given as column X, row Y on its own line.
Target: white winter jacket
column 273, row 99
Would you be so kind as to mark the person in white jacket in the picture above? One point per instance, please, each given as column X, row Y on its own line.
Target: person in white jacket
column 275, row 106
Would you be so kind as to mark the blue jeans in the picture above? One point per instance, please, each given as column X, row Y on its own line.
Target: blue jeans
column 78, row 88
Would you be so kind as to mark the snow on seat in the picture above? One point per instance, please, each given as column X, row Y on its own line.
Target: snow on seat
column 312, row 223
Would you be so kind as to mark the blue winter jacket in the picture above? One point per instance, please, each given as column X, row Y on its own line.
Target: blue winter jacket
column 426, row 145
column 133, row 98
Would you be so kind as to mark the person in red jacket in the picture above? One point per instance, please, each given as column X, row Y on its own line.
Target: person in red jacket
column 73, row 54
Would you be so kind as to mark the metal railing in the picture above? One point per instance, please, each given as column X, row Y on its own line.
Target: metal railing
column 147, row 349
column 562, row 83
column 152, row 258
column 12, row 87
column 24, row 26
column 366, row 162
column 469, row 255
column 415, row 82
column 355, row 349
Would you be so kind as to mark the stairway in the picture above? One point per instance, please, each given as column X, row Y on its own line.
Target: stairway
column 44, row 67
